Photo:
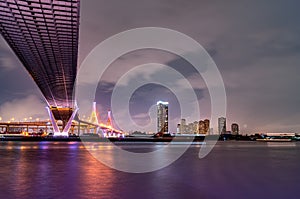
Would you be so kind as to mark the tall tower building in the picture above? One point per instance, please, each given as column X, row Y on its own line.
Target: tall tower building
column 234, row 129
column 162, row 117
column 222, row 125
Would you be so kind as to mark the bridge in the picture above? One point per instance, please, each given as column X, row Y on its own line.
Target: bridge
column 79, row 127
column 107, row 130
column 44, row 36
column 44, row 128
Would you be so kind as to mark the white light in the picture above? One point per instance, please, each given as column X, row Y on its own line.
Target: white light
column 161, row 102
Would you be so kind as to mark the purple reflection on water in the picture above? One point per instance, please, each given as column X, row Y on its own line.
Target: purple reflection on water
column 232, row 170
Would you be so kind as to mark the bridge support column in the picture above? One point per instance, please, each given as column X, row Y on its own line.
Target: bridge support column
column 66, row 115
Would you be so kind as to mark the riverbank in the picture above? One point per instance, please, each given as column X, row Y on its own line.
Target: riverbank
column 96, row 138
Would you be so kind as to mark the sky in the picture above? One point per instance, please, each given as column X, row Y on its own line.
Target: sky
column 255, row 45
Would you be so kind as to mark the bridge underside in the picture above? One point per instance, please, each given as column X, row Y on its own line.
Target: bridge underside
column 44, row 36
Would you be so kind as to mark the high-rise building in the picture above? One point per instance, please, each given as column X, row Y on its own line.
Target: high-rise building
column 182, row 126
column 162, row 117
column 222, row 125
column 204, row 126
column 201, row 127
column 195, row 127
column 234, row 129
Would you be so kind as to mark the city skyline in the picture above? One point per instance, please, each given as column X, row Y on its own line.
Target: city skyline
column 260, row 71
column 203, row 127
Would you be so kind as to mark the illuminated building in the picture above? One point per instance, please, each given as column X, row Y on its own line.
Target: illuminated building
column 201, row 127
column 234, row 129
column 204, row 126
column 192, row 128
column 182, row 126
column 162, row 117
column 195, row 127
column 222, row 125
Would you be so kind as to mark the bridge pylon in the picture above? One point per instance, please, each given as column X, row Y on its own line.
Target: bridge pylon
column 109, row 120
column 94, row 115
column 64, row 114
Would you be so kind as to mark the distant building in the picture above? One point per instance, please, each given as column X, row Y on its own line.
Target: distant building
column 222, row 125
column 162, row 117
column 201, row 127
column 189, row 128
column 234, row 129
column 183, row 127
column 178, row 128
column 204, row 126
column 196, row 127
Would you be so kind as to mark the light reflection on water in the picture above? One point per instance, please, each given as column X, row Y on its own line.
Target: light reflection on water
column 67, row 170
column 88, row 145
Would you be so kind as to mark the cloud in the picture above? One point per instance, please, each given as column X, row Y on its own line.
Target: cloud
column 30, row 106
column 8, row 60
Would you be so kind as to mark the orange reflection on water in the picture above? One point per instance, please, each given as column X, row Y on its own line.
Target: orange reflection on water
column 96, row 176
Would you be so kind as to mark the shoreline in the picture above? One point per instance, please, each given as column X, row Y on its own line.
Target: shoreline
column 133, row 139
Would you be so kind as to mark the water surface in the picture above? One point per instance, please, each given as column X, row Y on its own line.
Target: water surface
column 231, row 170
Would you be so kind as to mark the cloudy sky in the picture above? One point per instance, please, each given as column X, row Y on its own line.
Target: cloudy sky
column 255, row 44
